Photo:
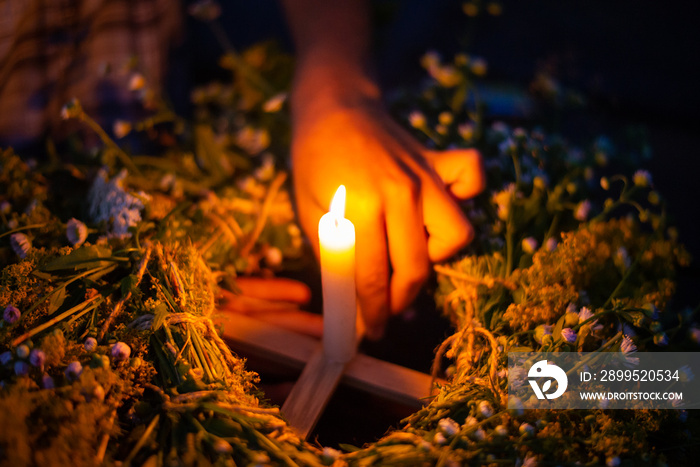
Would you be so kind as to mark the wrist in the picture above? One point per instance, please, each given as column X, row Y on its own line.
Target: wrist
column 323, row 83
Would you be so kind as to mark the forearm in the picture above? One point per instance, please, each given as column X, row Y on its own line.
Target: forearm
column 332, row 39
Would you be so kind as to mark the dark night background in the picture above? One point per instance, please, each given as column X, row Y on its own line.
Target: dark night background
column 634, row 61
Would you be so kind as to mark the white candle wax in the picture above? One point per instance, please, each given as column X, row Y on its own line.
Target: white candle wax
column 337, row 241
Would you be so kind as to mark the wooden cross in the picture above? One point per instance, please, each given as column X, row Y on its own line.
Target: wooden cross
column 320, row 377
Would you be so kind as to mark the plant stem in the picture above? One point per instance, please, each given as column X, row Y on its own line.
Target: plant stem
column 55, row 320
column 19, row 229
column 126, row 160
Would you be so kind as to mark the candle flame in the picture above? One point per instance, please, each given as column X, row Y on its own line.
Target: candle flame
column 338, row 203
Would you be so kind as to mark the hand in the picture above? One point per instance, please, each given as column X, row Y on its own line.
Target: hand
column 274, row 301
column 399, row 195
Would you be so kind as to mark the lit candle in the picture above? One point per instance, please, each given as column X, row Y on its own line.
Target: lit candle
column 337, row 241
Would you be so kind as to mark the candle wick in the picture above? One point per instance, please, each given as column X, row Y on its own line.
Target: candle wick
column 336, row 221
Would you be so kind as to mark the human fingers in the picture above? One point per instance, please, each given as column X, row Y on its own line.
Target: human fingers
column 275, row 289
column 408, row 249
column 447, row 226
column 462, row 170
column 372, row 268
column 251, row 305
column 299, row 321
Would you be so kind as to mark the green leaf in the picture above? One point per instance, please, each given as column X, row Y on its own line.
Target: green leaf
column 348, row 447
column 128, row 284
column 43, row 275
column 83, row 258
column 556, row 333
column 57, row 300
column 161, row 312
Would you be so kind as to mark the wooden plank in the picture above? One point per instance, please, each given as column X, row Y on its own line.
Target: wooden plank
column 385, row 379
column 389, row 380
column 266, row 340
column 312, row 391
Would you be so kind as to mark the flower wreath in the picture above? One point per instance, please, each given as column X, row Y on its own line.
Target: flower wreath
column 108, row 353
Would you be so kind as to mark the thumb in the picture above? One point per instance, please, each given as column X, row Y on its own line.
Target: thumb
column 462, row 171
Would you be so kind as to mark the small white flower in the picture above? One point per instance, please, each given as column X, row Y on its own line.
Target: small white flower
column 626, row 330
column 90, row 344
column 501, row 431
column 529, row 245
column 5, row 207
column 37, row 357
column 20, row 244
column 447, row 76
column 466, row 131
column 470, row 421
column 507, row 146
column 111, row 203
column 22, row 351
column 653, row 311
column 47, row 382
column 137, row 82
column 267, row 169
column 526, row 429
column 584, row 314
column 430, row 59
column 445, row 118
column 686, row 373
column 21, row 368
column 569, row 335
column 273, row 256
column 330, row 454
column 485, row 409
column 5, row 357
column 98, row 393
column 479, row 434
column 439, row 438
column 695, row 335
column 622, row 257
column 423, row 445
column 541, row 331
column 448, row 426
column 252, row 140
column 502, row 200
column 274, row 104
column 514, row 402
column 642, row 178
column 76, row 231
column 627, row 346
column 121, row 128
column 120, row 351
column 551, row 244
column 11, row 314
column 479, row 66
column 661, row 339
column 417, row 119
column 582, row 210
column 73, row 371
